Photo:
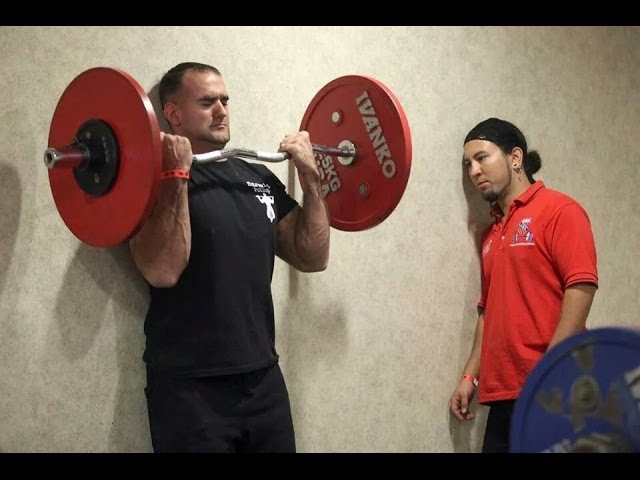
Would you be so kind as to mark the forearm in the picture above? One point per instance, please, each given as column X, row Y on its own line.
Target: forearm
column 162, row 247
column 473, row 363
column 312, row 232
column 576, row 304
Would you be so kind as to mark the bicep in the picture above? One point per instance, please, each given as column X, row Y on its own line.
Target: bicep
column 581, row 293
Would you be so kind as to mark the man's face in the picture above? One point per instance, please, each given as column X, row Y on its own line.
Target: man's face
column 488, row 168
column 199, row 111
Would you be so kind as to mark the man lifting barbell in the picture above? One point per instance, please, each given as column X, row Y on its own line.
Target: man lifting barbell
column 207, row 251
column 204, row 226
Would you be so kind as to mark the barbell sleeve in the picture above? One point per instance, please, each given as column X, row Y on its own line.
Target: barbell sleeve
column 70, row 157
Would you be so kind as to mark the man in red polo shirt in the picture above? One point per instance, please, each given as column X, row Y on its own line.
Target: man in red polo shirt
column 538, row 275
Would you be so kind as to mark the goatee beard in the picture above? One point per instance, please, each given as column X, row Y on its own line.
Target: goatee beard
column 490, row 196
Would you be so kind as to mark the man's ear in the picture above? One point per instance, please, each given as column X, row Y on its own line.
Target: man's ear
column 172, row 114
column 517, row 156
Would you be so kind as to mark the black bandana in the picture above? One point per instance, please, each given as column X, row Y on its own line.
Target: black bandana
column 502, row 133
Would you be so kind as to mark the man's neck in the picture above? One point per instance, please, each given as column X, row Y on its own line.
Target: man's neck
column 517, row 188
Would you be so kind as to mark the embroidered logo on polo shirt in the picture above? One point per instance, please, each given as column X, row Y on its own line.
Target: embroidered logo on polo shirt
column 524, row 235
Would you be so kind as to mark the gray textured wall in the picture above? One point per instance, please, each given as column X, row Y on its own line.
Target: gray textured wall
column 373, row 346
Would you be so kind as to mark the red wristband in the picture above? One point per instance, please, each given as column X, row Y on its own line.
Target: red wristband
column 177, row 173
column 471, row 378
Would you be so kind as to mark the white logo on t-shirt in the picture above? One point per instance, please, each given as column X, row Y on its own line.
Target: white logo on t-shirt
column 268, row 201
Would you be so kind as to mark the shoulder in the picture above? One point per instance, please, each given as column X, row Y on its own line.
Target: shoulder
column 558, row 200
column 550, row 193
column 560, row 207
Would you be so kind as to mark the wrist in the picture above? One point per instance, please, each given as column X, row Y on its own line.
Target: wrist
column 470, row 378
column 175, row 173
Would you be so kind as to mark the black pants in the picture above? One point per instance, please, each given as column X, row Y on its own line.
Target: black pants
column 241, row 413
column 496, row 435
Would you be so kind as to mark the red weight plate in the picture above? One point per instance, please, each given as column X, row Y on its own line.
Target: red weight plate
column 114, row 97
column 363, row 111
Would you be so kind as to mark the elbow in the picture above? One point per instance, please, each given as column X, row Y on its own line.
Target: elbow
column 323, row 262
column 165, row 278
column 313, row 268
column 319, row 265
column 161, row 269
column 309, row 258
column 162, row 280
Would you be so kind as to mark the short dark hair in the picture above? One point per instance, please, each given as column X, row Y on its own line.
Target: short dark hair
column 506, row 136
column 172, row 80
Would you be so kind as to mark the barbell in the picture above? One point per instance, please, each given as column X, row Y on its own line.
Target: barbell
column 104, row 154
column 583, row 396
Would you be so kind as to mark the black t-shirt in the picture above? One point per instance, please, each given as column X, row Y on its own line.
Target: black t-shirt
column 219, row 317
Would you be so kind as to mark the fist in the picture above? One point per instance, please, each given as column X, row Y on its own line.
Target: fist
column 176, row 152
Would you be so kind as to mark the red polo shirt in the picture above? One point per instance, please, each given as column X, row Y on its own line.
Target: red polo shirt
column 529, row 258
